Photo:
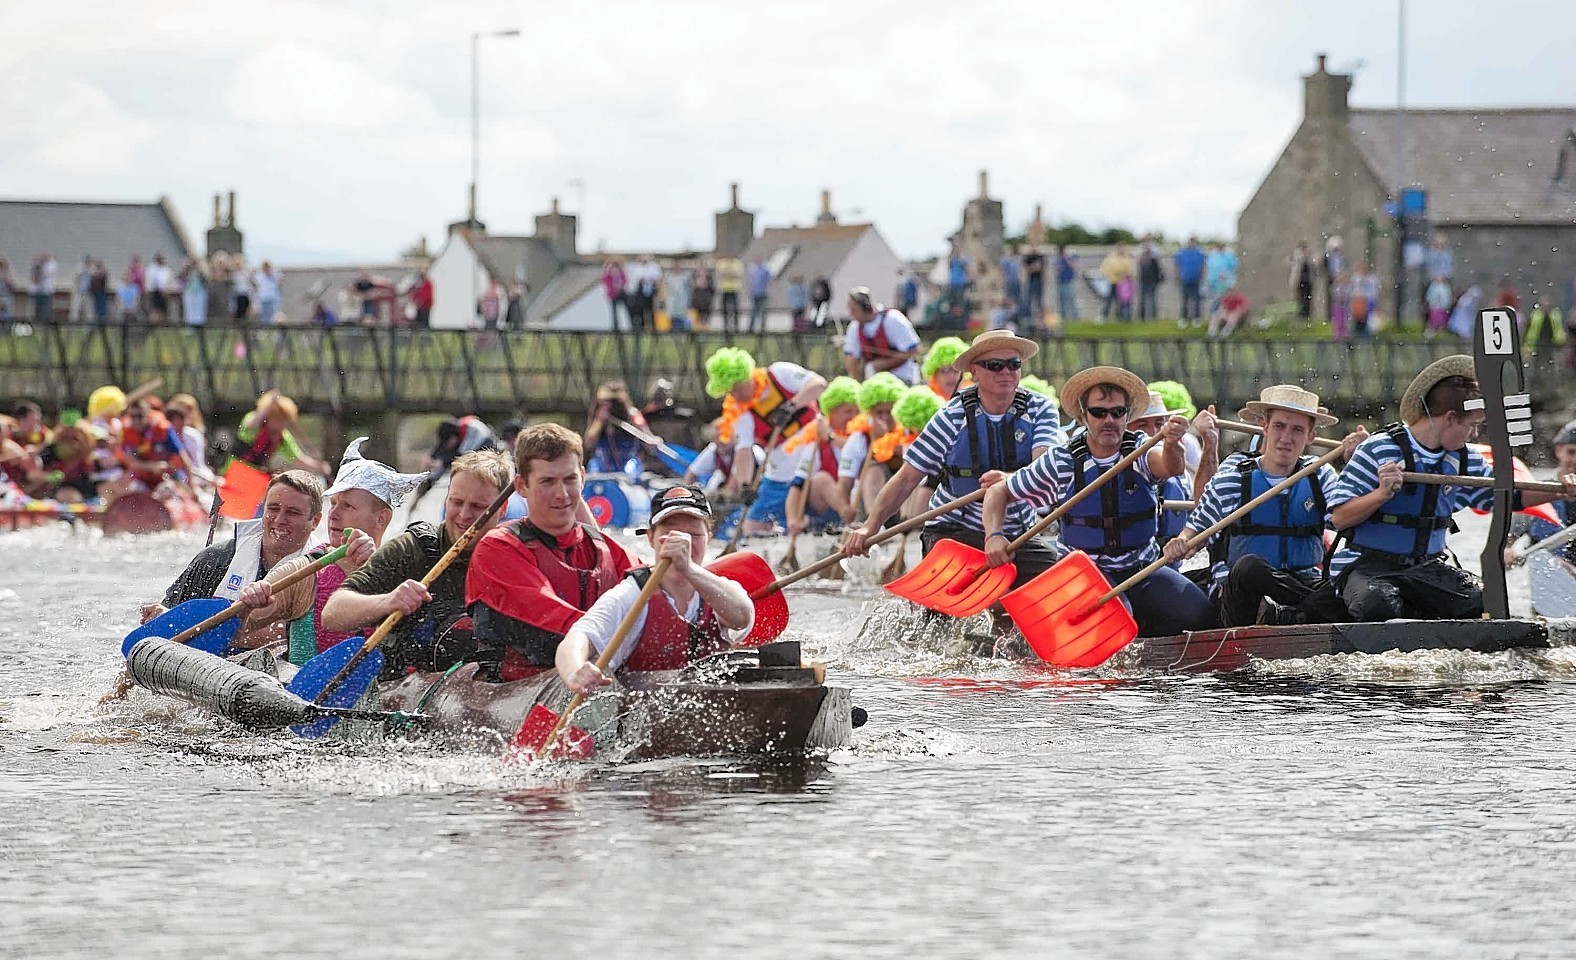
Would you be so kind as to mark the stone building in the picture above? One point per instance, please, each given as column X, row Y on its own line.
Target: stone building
column 1500, row 182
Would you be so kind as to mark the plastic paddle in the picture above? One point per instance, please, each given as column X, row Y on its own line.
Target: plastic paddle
column 1550, row 542
column 526, row 742
column 673, row 456
column 339, row 676
column 1067, row 630
column 957, row 579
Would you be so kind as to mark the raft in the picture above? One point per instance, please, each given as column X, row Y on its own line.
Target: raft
column 133, row 513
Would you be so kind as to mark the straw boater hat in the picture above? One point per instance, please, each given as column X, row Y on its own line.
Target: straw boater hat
column 1457, row 365
column 993, row 340
column 1286, row 396
column 1156, row 407
column 378, row 479
column 1083, row 381
column 274, row 402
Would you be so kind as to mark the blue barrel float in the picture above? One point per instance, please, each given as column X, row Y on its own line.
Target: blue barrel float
column 615, row 502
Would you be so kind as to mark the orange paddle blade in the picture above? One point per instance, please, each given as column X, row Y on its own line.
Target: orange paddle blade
column 954, row 578
column 752, row 572
column 243, row 489
column 1057, row 613
column 572, row 743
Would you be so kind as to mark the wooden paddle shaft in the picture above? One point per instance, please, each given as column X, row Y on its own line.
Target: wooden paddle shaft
column 145, row 390
column 879, row 537
column 393, row 619
column 236, row 609
column 1180, row 506
column 1224, row 522
column 611, row 650
column 1079, row 496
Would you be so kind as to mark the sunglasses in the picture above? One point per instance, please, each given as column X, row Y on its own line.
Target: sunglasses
column 997, row 366
column 1102, row 413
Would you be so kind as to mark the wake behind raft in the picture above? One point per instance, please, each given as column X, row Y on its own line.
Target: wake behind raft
column 232, row 691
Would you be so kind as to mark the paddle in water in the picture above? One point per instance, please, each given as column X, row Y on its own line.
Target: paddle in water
column 340, row 675
column 541, row 729
column 1069, row 622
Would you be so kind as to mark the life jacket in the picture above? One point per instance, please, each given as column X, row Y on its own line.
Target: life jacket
column 1172, row 521
column 874, row 347
column 145, row 443
column 827, row 453
column 668, row 641
column 261, row 449
column 774, row 396
column 1123, row 518
column 579, row 587
column 414, row 643
column 1409, row 528
column 981, row 447
column 1288, row 529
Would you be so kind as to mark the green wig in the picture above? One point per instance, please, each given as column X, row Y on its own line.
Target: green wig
column 915, row 407
column 884, row 387
column 942, row 353
column 1034, row 384
column 1176, row 397
column 726, row 367
column 840, row 391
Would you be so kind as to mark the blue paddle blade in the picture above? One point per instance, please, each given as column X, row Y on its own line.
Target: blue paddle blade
column 316, row 674
column 675, row 457
column 215, row 640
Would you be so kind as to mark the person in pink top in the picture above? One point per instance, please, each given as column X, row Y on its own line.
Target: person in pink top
column 361, row 504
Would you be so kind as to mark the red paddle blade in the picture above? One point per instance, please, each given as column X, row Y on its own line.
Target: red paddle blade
column 752, row 572
column 572, row 743
column 1057, row 613
column 954, row 578
column 243, row 489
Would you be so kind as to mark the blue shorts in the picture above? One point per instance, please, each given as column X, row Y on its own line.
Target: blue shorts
column 771, row 506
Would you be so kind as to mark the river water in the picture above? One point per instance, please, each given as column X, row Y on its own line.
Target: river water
column 1413, row 805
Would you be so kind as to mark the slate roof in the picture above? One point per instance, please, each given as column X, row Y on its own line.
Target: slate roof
column 506, row 258
column 110, row 231
column 816, row 251
column 567, row 285
column 1487, row 166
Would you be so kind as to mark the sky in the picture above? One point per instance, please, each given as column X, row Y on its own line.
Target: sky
column 344, row 126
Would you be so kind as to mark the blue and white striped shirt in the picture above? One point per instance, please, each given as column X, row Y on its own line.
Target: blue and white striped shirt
column 928, row 455
column 1048, row 481
column 1224, row 494
column 1361, row 477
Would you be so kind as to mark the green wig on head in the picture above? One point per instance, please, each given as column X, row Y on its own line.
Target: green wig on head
column 840, row 391
column 726, row 367
column 884, row 387
column 1037, row 385
column 942, row 353
column 1176, row 396
column 915, row 407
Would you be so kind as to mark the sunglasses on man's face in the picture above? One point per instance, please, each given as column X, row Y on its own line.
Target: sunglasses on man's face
column 1102, row 413
column 997, row 366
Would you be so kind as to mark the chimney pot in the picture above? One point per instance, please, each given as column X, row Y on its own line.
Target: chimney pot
column 984, row 190
column 733, row 195
column 232, row 208
column 826, row 203
column 216, row 221
column 1321, row 59
column 555, row 206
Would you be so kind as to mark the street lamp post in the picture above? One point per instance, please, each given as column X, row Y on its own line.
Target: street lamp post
column 476, row 122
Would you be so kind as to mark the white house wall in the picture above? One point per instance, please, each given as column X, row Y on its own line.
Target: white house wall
column 453, row 272
column 586, row 312
column 871, row 263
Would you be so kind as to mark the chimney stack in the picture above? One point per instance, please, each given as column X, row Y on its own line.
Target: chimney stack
column 1324, row 94
column 734, row 228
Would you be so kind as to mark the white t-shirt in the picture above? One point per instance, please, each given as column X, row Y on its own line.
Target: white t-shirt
column 900, row 337
column 852, row 459
column 156, row 277
column 602, row 620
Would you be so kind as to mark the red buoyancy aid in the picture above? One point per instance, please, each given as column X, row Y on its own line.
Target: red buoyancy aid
column 261, row 449
column 577, row 580
column 828, row 454
column 777, row 394
column 150, row 442
column 668, row 641
column 874, row 347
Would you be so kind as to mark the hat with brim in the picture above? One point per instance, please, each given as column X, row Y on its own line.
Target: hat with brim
column 683, row 500
column 1456, row 365
column 1083, row 381
column 273, row 403
column 1288, row 397
column 1567, row 435
column 1156, row 407
column 993, row 340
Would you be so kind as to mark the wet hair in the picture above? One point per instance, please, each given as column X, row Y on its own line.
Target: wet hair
column 1450, row 396
column 491, row 466
column 302, row 482
column 544, row 441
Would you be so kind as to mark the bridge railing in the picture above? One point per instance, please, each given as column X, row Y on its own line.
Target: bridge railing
column 359, row 370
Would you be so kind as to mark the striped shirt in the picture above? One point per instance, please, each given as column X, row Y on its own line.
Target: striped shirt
column 1224, row 494
column 1048, row 481
column 928, row 455
column 1361, row 477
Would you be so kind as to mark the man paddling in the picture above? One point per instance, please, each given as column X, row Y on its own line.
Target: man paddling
column 992, row 426
column 265, row 432
column 1394, row 564
column 361, row 504
column 1116, row 527
column 815, row 497
column 1538, row 528
column 532, row 579
column 879, row 339
column 1274, row 556
column 432, row 635
column 694, row 614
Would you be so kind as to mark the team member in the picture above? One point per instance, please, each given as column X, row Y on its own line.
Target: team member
column 693, row 614
column 433, row 634
column 940, row 368
column 459, row 437
column 815, row 497
column 361, row 504
column 874, row 450
column 992, row 426
column 1394, row 564
column 1274, row 556
column 1117, row 525
column 265, row 432
column 149, row 449
column 880, row 338
column 1540, row 528
column 531, row 579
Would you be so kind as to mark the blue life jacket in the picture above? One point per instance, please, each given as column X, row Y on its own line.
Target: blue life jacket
column 1172, row 521
column 1412, row 525
column 1122, row 518
column 1288, row 529
column 982, row 446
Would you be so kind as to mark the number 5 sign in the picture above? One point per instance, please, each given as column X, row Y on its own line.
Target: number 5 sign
column 1499, row 329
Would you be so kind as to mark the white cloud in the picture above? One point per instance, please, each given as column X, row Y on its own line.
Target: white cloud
column 291, row 84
